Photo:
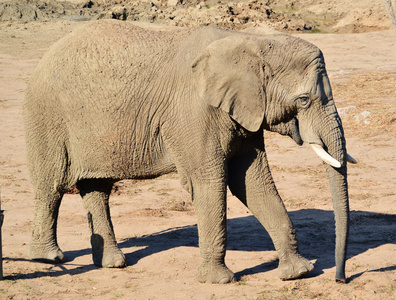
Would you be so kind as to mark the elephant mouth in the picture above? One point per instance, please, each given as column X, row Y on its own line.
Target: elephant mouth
column 317, row 146
column 291, row 128
column 295, row 135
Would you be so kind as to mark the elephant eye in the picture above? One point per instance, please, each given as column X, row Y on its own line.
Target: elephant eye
column 303, row 102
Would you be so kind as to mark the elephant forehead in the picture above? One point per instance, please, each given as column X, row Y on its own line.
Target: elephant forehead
column 317, row 82
column 302, row 75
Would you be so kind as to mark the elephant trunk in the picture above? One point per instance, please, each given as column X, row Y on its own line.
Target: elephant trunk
column 334, row 142
column 339, row 192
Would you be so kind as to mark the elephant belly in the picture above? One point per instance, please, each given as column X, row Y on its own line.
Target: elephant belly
column 119, row 157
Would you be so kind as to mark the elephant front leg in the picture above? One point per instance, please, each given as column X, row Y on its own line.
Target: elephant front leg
column 210, row 206
column 105, row 252
column 250, row 181
column 273, row 216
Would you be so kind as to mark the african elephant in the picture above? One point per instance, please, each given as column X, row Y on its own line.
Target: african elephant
column 113, row 101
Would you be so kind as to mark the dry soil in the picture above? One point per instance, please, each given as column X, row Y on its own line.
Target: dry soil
column 154, row 219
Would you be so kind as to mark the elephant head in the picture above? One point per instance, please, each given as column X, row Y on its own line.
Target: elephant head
column 279, row 83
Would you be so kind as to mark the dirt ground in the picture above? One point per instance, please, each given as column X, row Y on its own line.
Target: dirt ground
column 154, row 219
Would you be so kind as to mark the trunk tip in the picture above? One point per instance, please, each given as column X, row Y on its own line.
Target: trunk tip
column 340, row 278
column 350, row 159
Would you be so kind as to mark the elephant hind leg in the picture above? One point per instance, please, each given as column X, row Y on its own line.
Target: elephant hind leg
column 48, row 163
column 95, row 194
column 44, row 246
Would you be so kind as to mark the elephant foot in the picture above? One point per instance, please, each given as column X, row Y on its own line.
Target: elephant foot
column 215, row 273
column 293, row 266
column 48, row 254
column 110, row 257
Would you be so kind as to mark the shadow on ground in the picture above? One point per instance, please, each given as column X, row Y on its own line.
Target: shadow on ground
column 315, row 231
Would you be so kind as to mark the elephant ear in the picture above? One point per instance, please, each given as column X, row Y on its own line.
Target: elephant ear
column 229, row 75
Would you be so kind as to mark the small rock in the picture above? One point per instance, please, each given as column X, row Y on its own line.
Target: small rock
column 119, row 13
column 88, row 4
column 201, row 5
column 345, row 111
column 173, row 2
column 363, row 116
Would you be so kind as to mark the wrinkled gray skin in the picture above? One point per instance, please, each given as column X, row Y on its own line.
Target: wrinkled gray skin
column 113, row 101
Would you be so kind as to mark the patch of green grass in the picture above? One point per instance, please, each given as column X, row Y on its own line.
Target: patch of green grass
column 92, row 281
column 314, row 30
column 104, row 292
column 176, row 205
column 162, row 194
column 131, row 287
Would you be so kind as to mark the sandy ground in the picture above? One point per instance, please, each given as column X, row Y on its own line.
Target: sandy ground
column 154, row 220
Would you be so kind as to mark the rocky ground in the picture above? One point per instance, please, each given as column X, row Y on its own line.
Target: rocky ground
column 305, row 15
column 154, row 219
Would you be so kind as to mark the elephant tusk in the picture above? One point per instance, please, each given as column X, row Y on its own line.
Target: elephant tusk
column 326, row 157
column 350, row 159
